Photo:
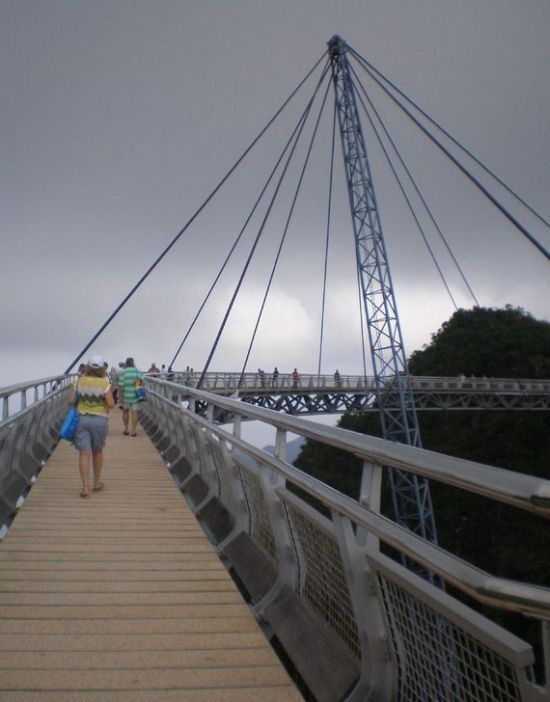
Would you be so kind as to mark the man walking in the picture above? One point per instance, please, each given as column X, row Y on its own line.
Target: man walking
column 128, row 379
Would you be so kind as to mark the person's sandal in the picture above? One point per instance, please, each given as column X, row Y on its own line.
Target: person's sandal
column 84, row 495
column 98, row 488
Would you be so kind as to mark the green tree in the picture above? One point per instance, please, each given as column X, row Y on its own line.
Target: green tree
column 497, row 343
column 502, row 540
column 481, row 342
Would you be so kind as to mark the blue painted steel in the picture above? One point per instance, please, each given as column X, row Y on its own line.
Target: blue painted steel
column 410, row 494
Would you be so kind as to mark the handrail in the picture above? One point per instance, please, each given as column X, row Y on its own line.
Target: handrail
column 530, row 600
column 31, row 414
column 517, row 489
column 226, row 380
column 17, row 395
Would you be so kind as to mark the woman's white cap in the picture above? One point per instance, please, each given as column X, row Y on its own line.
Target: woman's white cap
column 95, row 362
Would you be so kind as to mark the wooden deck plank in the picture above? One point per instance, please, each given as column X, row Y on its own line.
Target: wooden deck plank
column 121, row 596
column 275, row 693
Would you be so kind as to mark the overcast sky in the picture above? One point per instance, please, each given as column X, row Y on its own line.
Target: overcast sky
column 120, row 116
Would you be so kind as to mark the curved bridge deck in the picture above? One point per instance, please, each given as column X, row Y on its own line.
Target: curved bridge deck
column 121, row 597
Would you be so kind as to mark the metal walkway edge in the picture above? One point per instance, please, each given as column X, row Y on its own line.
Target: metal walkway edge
column 121, row 597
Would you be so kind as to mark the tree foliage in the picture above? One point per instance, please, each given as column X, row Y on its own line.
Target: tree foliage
column 481, row 342
column 497, row 343
column 499, row 539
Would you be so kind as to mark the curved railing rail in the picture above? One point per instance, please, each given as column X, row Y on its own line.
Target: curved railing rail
column 318, row 558
column 317, row 394
column 229, row 381
column 31, row 414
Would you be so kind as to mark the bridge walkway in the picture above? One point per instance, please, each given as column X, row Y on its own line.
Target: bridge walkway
column 121, row 597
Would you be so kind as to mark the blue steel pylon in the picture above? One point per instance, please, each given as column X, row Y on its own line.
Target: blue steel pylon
column 410, row 494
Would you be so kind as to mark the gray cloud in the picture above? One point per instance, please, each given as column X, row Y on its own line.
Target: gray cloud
column 119, row 118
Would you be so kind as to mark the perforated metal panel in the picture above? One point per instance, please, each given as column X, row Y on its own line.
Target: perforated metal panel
column 323, row 583
column 260, row 527
column 437, row 660
column 199, row 455
column 219, row 462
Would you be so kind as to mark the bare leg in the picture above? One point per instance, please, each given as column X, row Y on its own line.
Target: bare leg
column 84, row 465
column 133, row 420
column 125, row 414
column 97, row 459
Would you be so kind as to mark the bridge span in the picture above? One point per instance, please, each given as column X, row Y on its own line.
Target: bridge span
column 320, row 571
column 320, row 394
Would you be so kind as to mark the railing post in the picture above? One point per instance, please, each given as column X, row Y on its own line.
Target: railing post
column 377, row 677
column 280, row 444
column 370, row 496
column 237, row 422
column 210, row 412
column 287, row 572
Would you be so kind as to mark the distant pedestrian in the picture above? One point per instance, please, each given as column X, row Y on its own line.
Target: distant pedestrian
column 94, row 399
column 274, row 377
column 128, row 379
column 153, row 370
column 295, row 378
column 337, row 378
column 113, row 373
column 261, row 376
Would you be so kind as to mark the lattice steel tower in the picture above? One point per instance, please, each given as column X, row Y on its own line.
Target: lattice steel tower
column 410, row 494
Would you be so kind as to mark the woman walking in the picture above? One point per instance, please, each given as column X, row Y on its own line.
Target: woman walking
column 94, row 399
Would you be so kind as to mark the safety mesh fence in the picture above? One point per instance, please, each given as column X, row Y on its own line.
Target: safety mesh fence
column 220, row 461
column 260, row 526
column 437, row 660
column 322, row 580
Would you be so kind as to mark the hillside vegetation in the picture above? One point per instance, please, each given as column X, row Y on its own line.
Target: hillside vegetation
column 481, row 342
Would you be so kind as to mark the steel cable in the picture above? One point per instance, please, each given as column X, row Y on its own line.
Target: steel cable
column 285, row 231
column 450, row 136
column 327, row 238
column 258, row 236
column 247, row 221
column 417, row 190
column 192, row 218
column 456, row 162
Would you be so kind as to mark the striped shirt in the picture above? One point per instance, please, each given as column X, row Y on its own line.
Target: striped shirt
column 125, row 381
column 91, row 395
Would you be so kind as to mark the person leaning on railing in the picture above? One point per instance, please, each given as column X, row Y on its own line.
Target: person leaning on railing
column 94, row 399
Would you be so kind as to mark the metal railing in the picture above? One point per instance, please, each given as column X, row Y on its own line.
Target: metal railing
column 403, row 638
column 228, row 382
column 31, row 414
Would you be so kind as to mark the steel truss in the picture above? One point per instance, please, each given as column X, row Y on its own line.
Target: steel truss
column 338, row 402
column 410, row 494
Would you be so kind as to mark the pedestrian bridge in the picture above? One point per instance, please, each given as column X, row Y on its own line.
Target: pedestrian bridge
column 121, row 596
column 319, row 394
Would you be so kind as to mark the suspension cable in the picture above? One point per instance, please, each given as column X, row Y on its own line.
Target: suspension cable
column 362, row 317
column 285, row 231
column 460, row 166
column 418, row 192
column 258, row 236
column 245, row 225
column 451, row 137
column 327, row 238
column 193, row 217
column 405, row 196
column 407, row 200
